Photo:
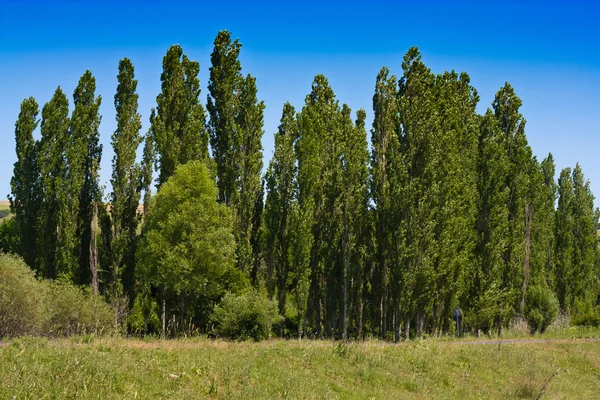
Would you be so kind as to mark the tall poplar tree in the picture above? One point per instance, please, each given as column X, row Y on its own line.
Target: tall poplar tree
column 126, row 176
column 281, row 190
column 83, row 156
column 178, row 126
column 54, row 249
column 236, row 129
column 250, row 128
column 384, row 153
column 25, row 189
column 224, row 87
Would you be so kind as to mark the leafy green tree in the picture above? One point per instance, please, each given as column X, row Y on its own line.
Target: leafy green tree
column 484, row 303
column 83, row 155
column 250, row 125
column 126, row 178
column 55, row 247
column 454, row 189
column 281, row 190
column 565, row 238
column 25, row 197
column 316, row 153
column 418, row 121
column 187, row 244
column 384, row 162
column 178, row 125
column 352, row 208
column 222, row 104
column 576, row 242
column 148, row 159
column 236, row 129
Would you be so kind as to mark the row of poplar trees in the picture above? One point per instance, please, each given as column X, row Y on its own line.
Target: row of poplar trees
column 445, row 207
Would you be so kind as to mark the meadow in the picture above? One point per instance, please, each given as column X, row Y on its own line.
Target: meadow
column 89, row 367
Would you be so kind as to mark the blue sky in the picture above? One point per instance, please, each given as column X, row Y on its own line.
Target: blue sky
column 549, row 51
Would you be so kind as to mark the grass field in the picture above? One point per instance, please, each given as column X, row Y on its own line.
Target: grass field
column 88, row 367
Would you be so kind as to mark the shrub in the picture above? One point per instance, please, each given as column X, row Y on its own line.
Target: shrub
column 22, row 298
column 590, row 318
column 143, row 318
column 32, row 307
column 250, row 315
column 541, row 308
column 70, row 310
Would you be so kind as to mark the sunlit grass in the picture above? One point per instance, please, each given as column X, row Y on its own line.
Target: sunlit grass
column 88, row 367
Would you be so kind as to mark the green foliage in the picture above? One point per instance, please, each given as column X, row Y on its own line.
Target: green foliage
column 55, row 248
column 22, row 302
column 83, row 155
column 143, row 317
column 541, row 308
column 236, row 130
column 9, row 236
column 32, row 307
column 126, row 181
column 178, row 125
column 248, row 316
column 25, row 189
column 187, row 246
column 76, row 311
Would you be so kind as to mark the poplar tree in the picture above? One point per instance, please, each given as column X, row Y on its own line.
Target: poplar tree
column 236, row 129
column 224, row 87
column 485, row 298
column 455, row 186
column 54, row 249
column 126, row 179
column 25, row 184
column 83, row 155
column 316, row 123
column 177, row 127
column 352, row 209
column 281, row 190
column 384, row 145
column 418, row 121
column 511, row 123
column 250, row 126
column 576, row 242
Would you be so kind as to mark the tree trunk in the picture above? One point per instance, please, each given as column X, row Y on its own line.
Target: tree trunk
column 94, row 263
column 164, row 314
column 407, row 328
column 281, row 296
column 181, row 311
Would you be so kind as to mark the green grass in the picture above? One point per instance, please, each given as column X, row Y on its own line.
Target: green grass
column 88, row 367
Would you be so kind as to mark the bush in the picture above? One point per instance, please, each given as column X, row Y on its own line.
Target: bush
column 70, row 311
column 590, row 318
column 541, row 308
column 243, row 317
column 22, row 298
column 143, row 318
column 32, row 307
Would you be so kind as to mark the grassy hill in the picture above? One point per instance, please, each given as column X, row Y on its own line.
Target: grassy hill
column 198, row 368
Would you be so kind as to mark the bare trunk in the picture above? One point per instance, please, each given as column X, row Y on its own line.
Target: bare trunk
column 94, row 263
column 281, row 296
column 396, row 326
column 181, row 311
column 407, row 328
column 164, row 314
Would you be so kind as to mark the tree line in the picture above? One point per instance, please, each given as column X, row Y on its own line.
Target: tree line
column 446, row 207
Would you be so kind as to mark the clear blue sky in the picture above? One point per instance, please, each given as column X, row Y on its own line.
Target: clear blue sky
column 549, row 51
